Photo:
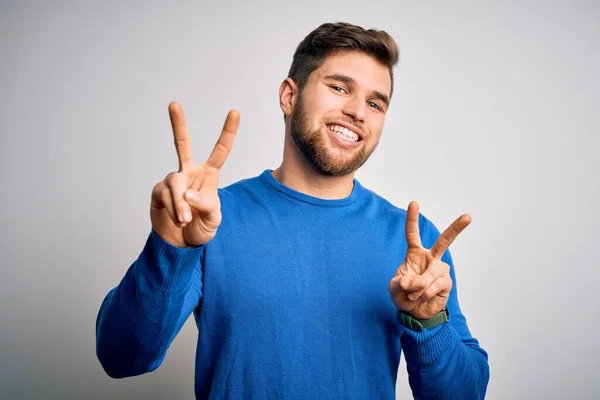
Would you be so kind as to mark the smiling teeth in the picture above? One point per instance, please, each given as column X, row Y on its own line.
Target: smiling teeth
column 344, row 133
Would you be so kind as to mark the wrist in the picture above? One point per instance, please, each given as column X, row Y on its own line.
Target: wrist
column 409, row 321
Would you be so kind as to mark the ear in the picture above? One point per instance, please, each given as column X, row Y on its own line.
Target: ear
column 288, row 92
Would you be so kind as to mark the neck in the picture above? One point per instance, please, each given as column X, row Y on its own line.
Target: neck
column 297, row 173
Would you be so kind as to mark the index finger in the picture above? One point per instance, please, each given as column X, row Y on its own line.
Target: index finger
column 181, row 135
column 413, row 237
column 225, row 143
column 448, row 236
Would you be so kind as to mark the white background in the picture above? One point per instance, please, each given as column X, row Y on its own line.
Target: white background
column 495, row 114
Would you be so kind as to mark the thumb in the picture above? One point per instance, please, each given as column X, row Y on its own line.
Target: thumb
column 202, row 204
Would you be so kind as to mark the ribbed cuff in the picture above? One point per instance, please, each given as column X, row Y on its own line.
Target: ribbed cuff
column 425, row 347
column 167, row 267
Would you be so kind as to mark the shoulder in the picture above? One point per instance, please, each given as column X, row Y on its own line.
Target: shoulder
column 241, row 187
column 382, row 207
column 246, row 194
column 386, row 209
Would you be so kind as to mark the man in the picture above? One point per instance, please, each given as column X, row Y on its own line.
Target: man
column 303, row 283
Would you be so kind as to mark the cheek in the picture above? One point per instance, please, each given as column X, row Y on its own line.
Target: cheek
column 325, row 103
column 376, row 128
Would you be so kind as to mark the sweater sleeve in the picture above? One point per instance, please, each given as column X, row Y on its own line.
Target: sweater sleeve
column 445, row 362
column 140, row 317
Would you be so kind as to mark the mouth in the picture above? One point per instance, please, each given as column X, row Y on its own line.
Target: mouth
column 343, row 135
column 345, row 132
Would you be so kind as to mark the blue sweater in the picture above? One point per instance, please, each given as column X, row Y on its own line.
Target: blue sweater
column 291, row 301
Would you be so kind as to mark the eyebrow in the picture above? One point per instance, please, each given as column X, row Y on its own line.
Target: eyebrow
column 351, row 81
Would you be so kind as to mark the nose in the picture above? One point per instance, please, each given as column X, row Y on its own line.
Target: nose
column 356, row 108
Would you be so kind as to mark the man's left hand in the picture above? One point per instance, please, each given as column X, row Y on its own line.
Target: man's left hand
column 422, row 283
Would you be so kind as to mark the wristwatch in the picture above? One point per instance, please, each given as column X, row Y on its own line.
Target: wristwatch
column 416, row 324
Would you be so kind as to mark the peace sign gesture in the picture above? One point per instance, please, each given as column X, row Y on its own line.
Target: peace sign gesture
column 185, row 208
column 422, row 283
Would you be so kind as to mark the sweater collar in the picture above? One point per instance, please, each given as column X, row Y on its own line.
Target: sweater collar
column 268, row 179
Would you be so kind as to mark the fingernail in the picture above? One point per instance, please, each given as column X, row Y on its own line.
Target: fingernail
column 185, row 217
column 412, row 297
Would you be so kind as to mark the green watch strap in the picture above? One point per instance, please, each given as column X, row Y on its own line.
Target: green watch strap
column 417, row 324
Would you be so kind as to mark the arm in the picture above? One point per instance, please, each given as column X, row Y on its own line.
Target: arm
column 445, row 362
column 139, row 319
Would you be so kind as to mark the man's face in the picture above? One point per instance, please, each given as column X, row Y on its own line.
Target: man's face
column 339, row 116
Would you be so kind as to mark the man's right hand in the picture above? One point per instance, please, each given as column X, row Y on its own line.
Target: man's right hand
column 185, row 209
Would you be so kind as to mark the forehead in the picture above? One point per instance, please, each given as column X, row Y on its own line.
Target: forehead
column 368, row 72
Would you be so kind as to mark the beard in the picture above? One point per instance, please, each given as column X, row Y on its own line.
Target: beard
column 314, row 146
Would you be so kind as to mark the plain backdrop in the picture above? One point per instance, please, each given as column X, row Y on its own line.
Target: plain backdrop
column 495, row 114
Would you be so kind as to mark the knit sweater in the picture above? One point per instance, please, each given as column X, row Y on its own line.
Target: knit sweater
column 291, row 300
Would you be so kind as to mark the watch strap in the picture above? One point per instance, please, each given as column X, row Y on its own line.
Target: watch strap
column 416, row 324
